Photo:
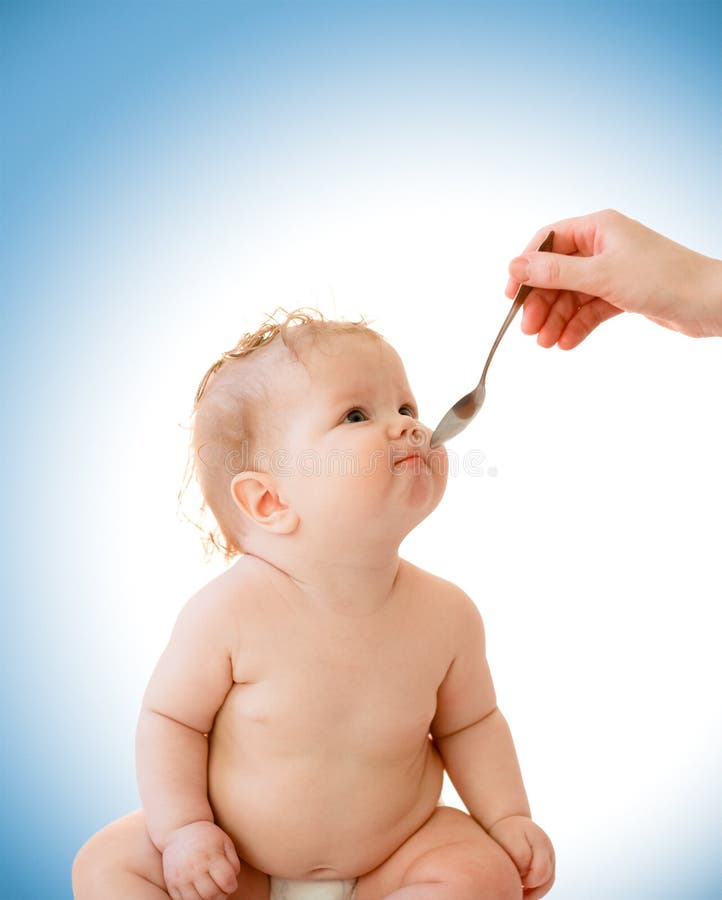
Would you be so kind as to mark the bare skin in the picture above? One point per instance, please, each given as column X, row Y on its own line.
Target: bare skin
column 300, row 719
column 319, row 762
column 604, row 264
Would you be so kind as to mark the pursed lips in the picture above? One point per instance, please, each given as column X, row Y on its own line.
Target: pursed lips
column 415, row 455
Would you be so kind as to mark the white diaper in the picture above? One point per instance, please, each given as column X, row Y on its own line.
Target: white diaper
column 283, row 889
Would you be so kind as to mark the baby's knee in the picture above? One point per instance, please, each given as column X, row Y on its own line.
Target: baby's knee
column 495, row 876
column 470, row 869
column 89, row 870
column 107, row 858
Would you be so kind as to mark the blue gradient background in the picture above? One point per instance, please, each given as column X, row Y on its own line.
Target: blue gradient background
column 142, row 143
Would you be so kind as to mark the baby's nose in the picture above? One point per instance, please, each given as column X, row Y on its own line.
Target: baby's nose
column 414, row 432
column 417, row 435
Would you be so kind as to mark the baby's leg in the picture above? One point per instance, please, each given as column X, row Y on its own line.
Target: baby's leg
column 120, row 862
column 450, row 857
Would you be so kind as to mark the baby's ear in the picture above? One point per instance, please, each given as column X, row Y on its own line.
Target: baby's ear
column 256, row 495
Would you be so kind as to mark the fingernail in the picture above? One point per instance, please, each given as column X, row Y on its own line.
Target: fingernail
column 519, row 268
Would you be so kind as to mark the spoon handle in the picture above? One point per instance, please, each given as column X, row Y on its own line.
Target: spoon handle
column 517, row 303
column 515, row 307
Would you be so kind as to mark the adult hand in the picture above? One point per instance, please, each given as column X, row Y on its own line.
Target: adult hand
column 604, row 264
column 200, row 863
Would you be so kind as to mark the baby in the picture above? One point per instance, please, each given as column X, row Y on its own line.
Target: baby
column 299, row 721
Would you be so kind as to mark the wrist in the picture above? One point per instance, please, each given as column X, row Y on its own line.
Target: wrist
column 526, row 816
column 162, row 840
column 710, row 288
column 699, row 296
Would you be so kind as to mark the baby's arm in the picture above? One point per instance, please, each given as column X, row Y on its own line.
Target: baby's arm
column 470, row 732
column 476, row 746
column 188, row 686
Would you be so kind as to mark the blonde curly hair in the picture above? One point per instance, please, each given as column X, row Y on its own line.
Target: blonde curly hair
column 227, row 422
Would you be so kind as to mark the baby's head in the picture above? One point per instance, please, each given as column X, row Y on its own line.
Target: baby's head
column 299, row 433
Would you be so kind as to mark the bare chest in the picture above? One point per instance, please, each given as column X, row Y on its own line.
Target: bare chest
column 304, row 689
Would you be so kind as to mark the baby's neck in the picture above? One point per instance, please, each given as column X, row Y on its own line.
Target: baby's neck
column 358, row 591
column 358, row 586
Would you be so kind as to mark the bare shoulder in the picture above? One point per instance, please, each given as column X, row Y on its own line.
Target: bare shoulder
column 235, row 592
column 444, row 598
column 196, row 670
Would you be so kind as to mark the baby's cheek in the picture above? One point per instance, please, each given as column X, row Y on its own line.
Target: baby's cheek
column 378, row 464
column 370, row 461
column 356, row 469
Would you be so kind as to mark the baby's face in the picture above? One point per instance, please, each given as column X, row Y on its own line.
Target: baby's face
column 359, row 463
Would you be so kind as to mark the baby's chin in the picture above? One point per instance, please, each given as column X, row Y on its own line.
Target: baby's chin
column 427, row 489
column 437, row 462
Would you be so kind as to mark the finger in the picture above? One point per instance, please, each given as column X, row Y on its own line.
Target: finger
column 231, row 855
column 536, row 310
column 540, row 870
column 585, row 321
column 518, row 266
column 188, row 892
column 575, row 235
column 514, row 283
column 224, row 875
column 207, row 888
column 581, row 236
column 519, row 849
column 560, row 313
column 555, row 270
column 538, row 892
column 184, row 892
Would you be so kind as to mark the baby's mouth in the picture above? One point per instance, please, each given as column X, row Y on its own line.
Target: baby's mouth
column 407, row 457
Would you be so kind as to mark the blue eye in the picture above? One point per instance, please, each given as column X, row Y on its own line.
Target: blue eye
column 409, row 411
column 355, row 415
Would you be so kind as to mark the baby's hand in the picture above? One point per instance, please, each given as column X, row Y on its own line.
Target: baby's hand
column 531, row 851
column 200, row 861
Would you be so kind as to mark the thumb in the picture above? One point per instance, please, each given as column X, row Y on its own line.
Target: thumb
column 556, row 271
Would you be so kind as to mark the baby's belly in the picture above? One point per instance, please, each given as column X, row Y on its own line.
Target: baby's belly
column 319, row 818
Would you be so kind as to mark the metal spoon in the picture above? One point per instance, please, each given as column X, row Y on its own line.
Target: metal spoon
column 464, row 410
